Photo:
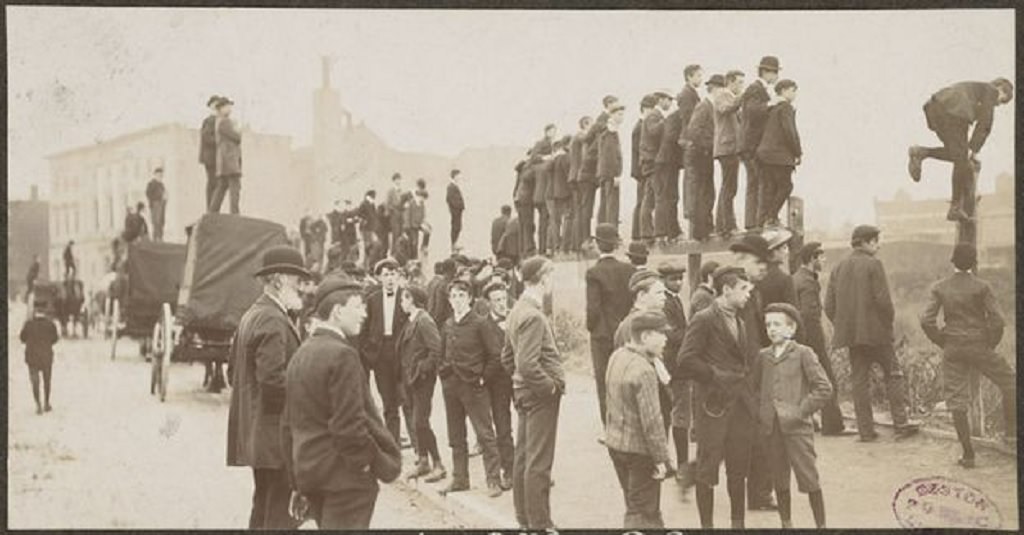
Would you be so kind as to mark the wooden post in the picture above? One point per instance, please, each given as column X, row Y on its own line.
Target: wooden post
column 795, row 222
column 693, row 262
column 967, row 232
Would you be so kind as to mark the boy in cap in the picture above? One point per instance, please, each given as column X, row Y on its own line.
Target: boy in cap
column 39, row 334
column 634, row 435
column 858, row 304
column 336, row 446
column 715, row 355
column 793, row 385
column 681, row 390
column 973, row 328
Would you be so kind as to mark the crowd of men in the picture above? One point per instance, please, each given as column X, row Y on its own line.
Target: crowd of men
column 394, row 227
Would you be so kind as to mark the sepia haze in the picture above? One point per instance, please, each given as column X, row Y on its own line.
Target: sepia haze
column 445, row 81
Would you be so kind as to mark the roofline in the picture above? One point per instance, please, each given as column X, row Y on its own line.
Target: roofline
column 117, row 139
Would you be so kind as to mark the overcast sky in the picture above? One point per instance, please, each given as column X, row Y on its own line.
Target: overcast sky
column 444, row 80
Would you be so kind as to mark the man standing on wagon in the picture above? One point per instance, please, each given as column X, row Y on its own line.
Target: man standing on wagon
column 264, row 343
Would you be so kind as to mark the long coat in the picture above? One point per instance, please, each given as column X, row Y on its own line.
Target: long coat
column 753, row 115
column 688, row 100
column 781, row 142
column 857, row 302
column 331, row 429
column 609, row 160
column 608, row 296
column 559, row 187
column 808, row 298
column 700, row 132
column 208, row 141
column 264, row 344
column 727, row 123
column 650, row 135
column 669, row 151
column 229, row 148
column 634, row 150
column 719, row 364
column 419, row 347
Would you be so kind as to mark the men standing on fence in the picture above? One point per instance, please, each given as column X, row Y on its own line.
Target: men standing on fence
column 456, row 205
column 609, row 166
column 973, row 327
column 688, row 100
column 778, row 154
column 646, row 104
column 588, row 167
column 608, row 302
column 754, row 115
column 541, row 157
column 208, row 147
column 522, row 197
column 858, row 304
column 576, row 149
column 39, row 334
column 650, row 142
column 538, row 383
column 808, row 297
column 156, row 194
column 726, row 102
column 699, row 160
column 558, row 197
column 264, row 343
column 668, row 163
column 229, row 158
column 950, row 113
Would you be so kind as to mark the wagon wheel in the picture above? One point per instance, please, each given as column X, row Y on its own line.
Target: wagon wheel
column 155, row 372
column 115, row 319
column 163, row 346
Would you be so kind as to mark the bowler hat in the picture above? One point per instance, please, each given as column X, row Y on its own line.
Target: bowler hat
column 212, row 100
column 716, row 79
column 282, row 259
column 648, row 101
column 786, row 309
column 863, row 233
column 388, row 262
column 607, row 233
column 653, row 320
column 535, row 266
column 642, row 279
column 810, row 250
column 770, row 63
column 334, row 283
column 965, row 256
column 753, row 244
column 637, row 250
column 669, row 268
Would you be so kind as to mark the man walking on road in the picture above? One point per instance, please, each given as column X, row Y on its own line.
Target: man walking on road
column 608, row 302
column 808, row 297
column 634, row 435
column 264, row 343
column 858, row 304
column 456, row 205
column 39, row 334
column 538, row 384
column 156, row 194
column 335, row 445
column 950, row 113
column 973, row 328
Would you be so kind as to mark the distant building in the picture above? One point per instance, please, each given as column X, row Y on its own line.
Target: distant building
column 28, row 234
column 91, row 186
column 924, row 220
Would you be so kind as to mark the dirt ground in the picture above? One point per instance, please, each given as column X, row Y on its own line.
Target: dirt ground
column 111, row 456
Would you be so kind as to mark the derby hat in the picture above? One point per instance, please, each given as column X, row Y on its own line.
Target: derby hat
column 607, row 233
column 716, row 80
column 770, row 63
column 753, row 244
column 637, row 250
column 282, row 259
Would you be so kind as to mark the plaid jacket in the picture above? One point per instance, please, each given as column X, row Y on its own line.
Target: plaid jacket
column 634, row 423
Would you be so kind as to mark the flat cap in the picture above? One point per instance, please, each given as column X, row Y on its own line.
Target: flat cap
column 459, row 284
column 753, row 244
column 786, row 309
column 534, row 267
column 492, row 286
column 727, row 270
column 810, row 250
column 642, row 279
column 388, row 262
column 662, row 93
column 777, row 237
column 717, row 80
column 335, row 283
column 862, row 233
column 669, row 268
column 653, row 320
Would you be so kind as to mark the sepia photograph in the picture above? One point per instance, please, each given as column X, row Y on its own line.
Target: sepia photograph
column 510, row 270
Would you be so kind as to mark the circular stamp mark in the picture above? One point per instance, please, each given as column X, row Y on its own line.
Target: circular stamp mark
column 940, row 502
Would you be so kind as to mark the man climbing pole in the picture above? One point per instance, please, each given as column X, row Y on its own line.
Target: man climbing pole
column 950, row 112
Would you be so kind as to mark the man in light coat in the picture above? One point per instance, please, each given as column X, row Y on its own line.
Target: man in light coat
column 229, row 158
column 727, row 129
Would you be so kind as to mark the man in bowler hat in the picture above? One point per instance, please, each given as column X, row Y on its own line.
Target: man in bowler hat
column 208, row 147
column 608, row 302
column 264, row 343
